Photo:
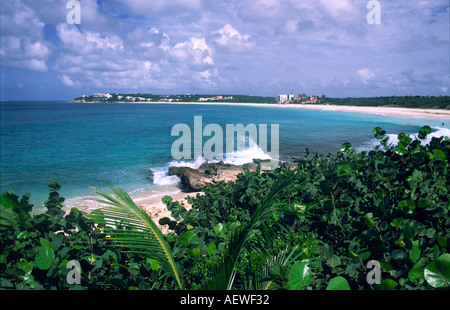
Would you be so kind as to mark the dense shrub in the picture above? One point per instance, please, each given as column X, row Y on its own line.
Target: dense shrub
column 390, row 205
column 36, row 250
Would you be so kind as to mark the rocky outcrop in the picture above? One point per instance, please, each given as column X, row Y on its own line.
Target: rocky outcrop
column 192, row 179
column 197, row 179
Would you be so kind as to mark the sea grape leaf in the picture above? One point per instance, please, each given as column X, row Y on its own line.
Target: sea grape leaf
column 405, row 139
column 164, row 221
column 8, row 219
column 334, row 261
column 407, row 204
column 166, row 199
column 416, row 274
column 442, row 241
column 400, row 149
column 388, row 284
column 218, row 228
column 327, row 251
column 424, row 131
column 44, row 257
column 414, row 253
column 326, row 187
column 346, row 146
column 54, row 185
column 422, row 203
column 343, row 169
column 45, row 243
column 364, row 255
column 211, row 248
column 300, row 276
column 194, row 252
column 368, row 220
column 437, row 273
column 438, row 155
column 187, row 237
column 379, row 133
column 338, row 283
column 57, row 241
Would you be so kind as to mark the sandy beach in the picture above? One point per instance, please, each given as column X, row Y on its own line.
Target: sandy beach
column 427, row 113
column 430, row 113
column 157, row 209
column 152, row 204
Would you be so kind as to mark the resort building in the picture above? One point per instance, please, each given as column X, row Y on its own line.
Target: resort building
column 102, row 96
column 302, row 98
column 285, row 98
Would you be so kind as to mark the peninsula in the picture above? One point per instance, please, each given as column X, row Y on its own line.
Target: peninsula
column 411, row 102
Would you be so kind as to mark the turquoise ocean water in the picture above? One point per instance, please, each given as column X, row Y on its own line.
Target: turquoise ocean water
column 82, row 144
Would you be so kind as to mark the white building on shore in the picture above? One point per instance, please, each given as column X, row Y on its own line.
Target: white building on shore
column 102, row 96
column 281, row 98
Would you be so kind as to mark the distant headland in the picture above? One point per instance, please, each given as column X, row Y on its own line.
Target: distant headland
column 411, row 102
column 130, row 98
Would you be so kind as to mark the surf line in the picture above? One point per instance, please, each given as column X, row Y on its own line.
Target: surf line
column 235, row 140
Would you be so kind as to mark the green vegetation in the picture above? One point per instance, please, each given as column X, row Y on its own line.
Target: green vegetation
column 115, row 97
column 423, row 102
column 319, row 226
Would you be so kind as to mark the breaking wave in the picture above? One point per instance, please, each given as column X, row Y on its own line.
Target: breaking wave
column 239, row 157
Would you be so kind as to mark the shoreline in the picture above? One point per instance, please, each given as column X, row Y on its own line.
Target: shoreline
column 427, row 113
column 151, row 202
column 384, row 110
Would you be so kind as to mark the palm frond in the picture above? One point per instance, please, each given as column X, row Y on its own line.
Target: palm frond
column 129, row 226
column 262, row 280
column 225, row 272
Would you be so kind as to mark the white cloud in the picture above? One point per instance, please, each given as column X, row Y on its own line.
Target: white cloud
column 143, row 58
column 341, row 10
column 55, row 12
column 145, row 7
column 247, row 46
column 21, row 42
column 67, row 81
column 88, row 42
column 230, row 39
column 195, row 54
column 366, row 75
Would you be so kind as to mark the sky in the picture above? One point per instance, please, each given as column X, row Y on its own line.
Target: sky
column 245, row 47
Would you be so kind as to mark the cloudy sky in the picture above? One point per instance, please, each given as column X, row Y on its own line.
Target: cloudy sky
column 249, row 47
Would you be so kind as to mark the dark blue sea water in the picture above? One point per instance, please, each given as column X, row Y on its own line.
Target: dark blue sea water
column 82, row 144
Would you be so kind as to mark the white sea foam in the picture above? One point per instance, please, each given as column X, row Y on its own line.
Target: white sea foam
column 161, row 175
column 85, row 204
column 246, row 155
